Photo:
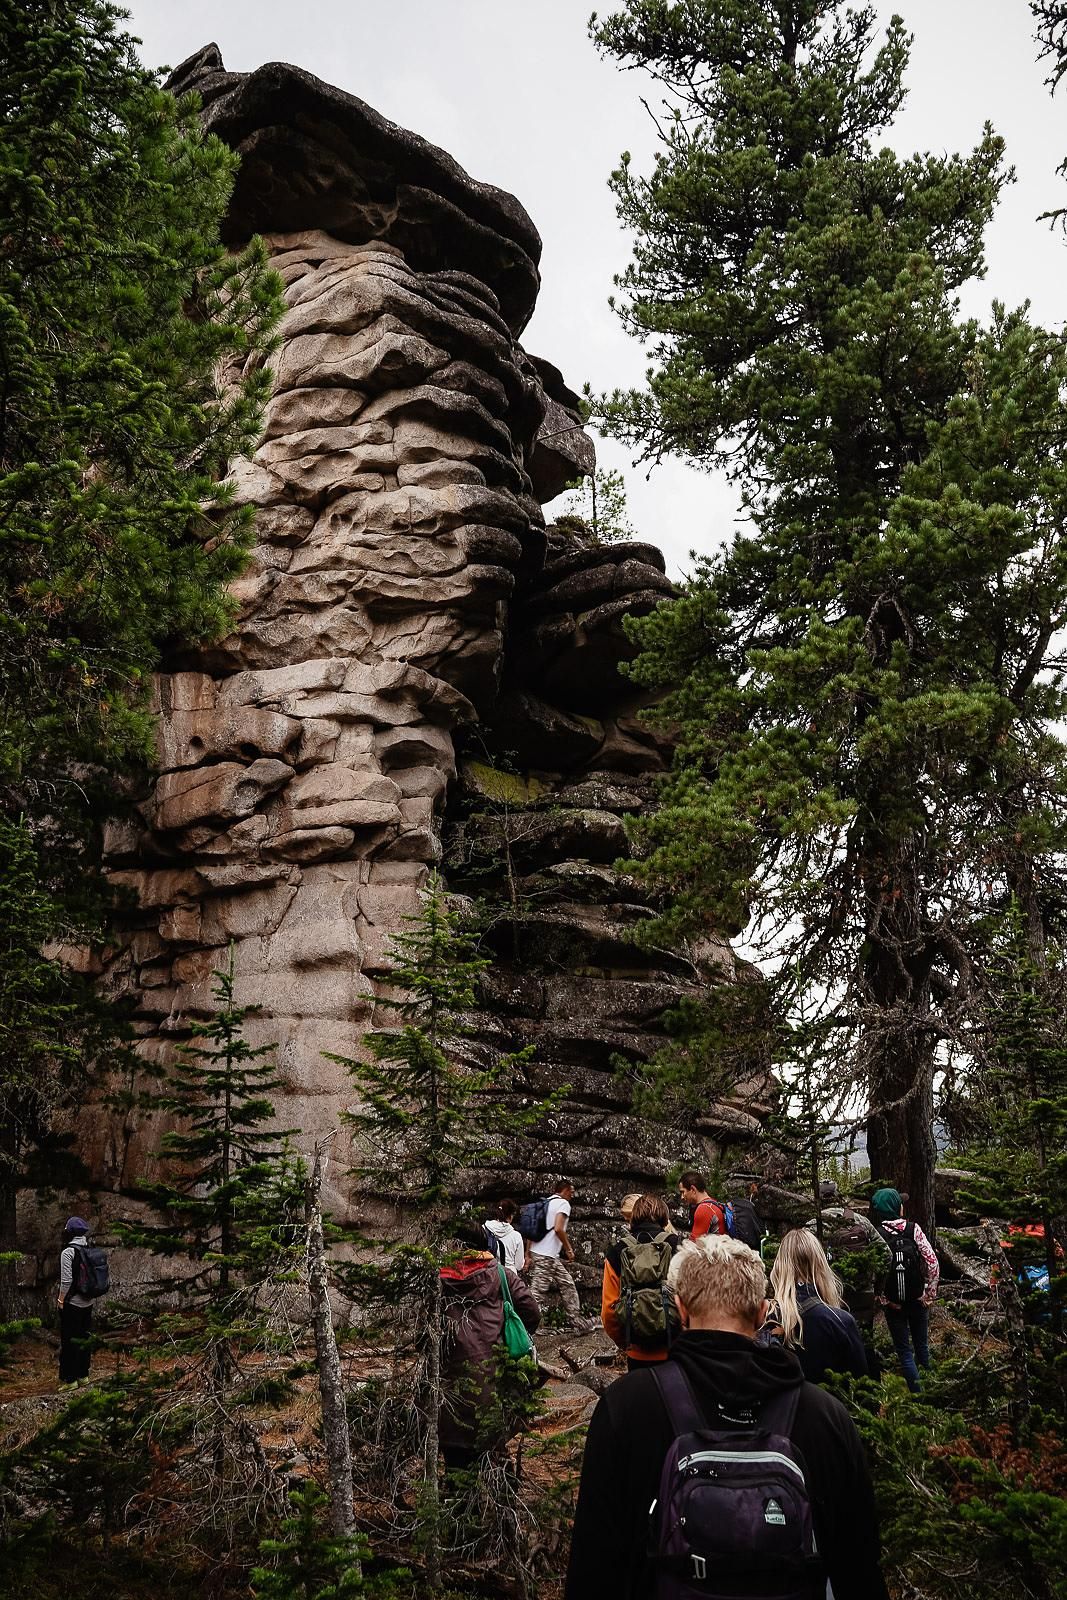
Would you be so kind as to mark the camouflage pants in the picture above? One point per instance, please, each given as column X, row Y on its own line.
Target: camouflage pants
column 548, row 1273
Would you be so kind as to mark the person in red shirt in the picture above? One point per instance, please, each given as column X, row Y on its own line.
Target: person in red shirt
column 708, row 1214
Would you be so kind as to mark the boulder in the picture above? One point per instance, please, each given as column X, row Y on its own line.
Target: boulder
column 220, row 793
column 948, row 1184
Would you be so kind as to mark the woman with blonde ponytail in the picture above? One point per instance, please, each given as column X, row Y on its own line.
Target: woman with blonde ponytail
column 811, row 1311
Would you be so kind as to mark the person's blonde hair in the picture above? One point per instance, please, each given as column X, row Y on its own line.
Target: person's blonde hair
column 717, row 1273
column 627, row 1203
column 801, row 1259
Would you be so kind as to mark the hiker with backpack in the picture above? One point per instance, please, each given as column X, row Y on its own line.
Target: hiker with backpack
column 707, row 1214
column 503, row 1239
column 636, row 1307
column 910, row 1285
column 720, row 1471
column 83, row 1279
column 486, row 1306
column 810, row 1313
column 543, row 1224
column 742, row 1219
column 847, row 1232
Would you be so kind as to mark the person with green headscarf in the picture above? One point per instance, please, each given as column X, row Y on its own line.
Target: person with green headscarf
column 910, row 1287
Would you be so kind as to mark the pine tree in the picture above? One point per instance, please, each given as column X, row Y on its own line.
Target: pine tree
column 864, row 683
column 119, row 306
column 131, row 372
column 1018, row 1112
column 425, row 1114
column 234, row 1205
column 427, row 1117
column 81, row 1470
column 52, row 1022
column 597, row 506
column 307, row 1562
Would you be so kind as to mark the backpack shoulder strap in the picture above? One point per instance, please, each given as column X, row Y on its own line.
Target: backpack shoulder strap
column 677, row 1395
column 779, row 1413
column 776, row 1416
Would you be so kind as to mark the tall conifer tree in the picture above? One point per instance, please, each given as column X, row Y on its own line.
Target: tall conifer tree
column 130, row 373
column 427, row 1120
column 865, row 681
column 232, row 1203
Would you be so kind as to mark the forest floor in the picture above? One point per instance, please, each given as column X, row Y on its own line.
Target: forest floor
column 578, row 1369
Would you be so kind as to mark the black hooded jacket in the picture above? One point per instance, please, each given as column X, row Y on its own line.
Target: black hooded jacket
column 832, row 1341
column 630, row 1434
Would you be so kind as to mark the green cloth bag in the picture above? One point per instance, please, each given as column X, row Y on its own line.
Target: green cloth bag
column 517, row 1341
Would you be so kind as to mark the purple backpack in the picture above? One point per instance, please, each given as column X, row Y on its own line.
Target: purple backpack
column 733, row 1517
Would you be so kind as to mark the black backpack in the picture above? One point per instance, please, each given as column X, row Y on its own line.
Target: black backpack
column 733, row 1515
column 89, row 1277
column 846, row 1235
column 493, row 1243
column 742, row 1222
column 905, row 1280
column 532, row 1220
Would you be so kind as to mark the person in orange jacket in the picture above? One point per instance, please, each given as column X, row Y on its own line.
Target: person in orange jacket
column 649, row 1221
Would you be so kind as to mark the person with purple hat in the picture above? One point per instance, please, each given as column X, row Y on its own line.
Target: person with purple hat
column 79, row 1286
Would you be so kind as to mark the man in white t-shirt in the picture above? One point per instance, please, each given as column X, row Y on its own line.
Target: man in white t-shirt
column 547, row 1272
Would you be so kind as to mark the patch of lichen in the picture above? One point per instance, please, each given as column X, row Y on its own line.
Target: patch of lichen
column 503, row 788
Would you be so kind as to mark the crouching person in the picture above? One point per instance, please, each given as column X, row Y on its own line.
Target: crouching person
column 474, row 1288
column 721, row 1468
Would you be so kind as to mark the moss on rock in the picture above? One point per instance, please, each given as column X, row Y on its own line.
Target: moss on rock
column 503, row 788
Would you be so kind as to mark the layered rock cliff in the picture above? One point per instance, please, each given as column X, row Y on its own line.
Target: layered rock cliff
column 419, row 673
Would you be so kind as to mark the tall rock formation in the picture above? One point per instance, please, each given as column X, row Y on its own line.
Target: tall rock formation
column 403, row 606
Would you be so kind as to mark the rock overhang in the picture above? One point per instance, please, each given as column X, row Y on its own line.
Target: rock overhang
column 315, row 156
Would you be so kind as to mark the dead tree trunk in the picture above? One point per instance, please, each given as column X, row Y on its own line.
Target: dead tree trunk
column 432, row 1440
column 328, row 1362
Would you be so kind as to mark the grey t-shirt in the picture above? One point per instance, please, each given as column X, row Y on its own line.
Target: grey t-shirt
column 66, row 1273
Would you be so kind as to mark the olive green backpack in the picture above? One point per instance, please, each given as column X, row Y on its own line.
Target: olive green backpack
column 646, row 1307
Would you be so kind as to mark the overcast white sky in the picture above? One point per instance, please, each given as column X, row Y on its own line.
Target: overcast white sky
column 515, row 92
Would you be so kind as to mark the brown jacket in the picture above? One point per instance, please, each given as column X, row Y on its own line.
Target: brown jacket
column 473, row 1328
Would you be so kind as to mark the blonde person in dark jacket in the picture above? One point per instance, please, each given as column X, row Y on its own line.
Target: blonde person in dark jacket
column 471, row 1421
column 720, row 1285
column 811, row 1312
